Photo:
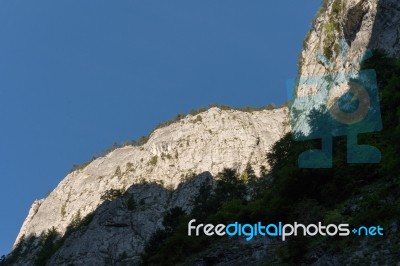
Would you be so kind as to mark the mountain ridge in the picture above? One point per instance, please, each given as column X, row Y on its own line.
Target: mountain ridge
column 210, row 141
column 172, row 153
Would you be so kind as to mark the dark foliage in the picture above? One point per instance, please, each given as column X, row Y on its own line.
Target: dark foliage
column 289, row 193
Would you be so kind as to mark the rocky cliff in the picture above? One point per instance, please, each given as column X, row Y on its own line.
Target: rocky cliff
column 363, row 24
column 204, row 143
column 167, row 171
column 341, row 34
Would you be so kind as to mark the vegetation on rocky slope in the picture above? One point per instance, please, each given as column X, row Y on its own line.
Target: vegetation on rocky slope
column 367, row 194
column 143, row 139
column 47, row 244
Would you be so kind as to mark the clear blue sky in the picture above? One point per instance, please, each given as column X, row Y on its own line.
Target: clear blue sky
column 75, row 76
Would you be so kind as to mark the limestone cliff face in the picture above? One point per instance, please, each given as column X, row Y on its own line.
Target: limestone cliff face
column 207, row 142
column 181, row 156
column 340, row 35
column 364, row 24
column 120, row 228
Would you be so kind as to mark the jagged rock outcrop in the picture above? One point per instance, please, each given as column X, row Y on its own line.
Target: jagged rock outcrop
column 120, row 228
column 209, row 141
column 364, row 24
column 340, row 35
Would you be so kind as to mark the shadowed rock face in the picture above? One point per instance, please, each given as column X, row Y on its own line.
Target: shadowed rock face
column 118, row 232
column 353, row 20
column 363, row 24
column 386, row 29
column 219, row 139
column 194, row 145
column 118, row 229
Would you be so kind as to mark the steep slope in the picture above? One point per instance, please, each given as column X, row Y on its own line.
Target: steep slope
column 208, row 141
column 116, row 233
column 364, row 24
column 195, row 145
column 340, row 36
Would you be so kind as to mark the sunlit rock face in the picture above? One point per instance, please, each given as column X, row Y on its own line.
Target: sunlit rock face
column 168, row 170
column 341, row 35
column 207, row 142
column 363, row 24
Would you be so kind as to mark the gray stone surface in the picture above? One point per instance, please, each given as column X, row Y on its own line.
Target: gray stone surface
column 365, row 24
column 192, row 146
